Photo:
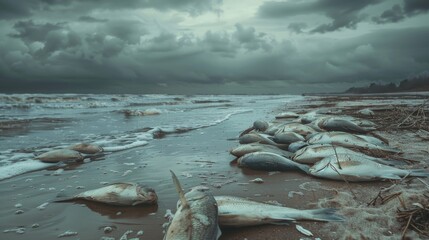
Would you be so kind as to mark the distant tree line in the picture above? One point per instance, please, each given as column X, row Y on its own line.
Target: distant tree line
column 415, row 84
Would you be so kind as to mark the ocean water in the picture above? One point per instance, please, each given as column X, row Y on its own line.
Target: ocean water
column 31, row 124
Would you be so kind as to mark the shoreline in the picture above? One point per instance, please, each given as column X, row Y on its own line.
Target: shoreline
column 198, row 157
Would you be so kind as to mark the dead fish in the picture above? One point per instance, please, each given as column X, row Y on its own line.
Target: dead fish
column 298, row 128
column 260, row 125
column 86, row 148
column 287, row 137
column 287, row 115
column 293, row 147
column 256, row 147
column 60, row 155
column 338, row 124
column 256, row 137
column 196, row 217
column 350, row 141
column 239, row 212
column 355, row 168
column 124, row 194
column 314, row 153
column 269, row 162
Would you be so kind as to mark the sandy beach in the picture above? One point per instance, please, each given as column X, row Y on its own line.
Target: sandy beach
column 201, row 157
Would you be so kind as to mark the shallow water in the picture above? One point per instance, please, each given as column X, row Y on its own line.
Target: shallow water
column 195, row 147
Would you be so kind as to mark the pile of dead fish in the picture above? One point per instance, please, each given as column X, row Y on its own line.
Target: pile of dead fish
column 320, row 145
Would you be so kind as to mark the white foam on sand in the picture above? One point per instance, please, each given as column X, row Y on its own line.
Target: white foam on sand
column 21, row 167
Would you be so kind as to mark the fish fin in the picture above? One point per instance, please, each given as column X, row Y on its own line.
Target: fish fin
column 325, row 215
column 179, row 190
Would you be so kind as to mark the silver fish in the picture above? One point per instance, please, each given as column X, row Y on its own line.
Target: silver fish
column 287, row 137
column 260, row 125
column 256, row 147
column 299, row 128
column 86, row 148
column 350, row 141
column 196, row 217
column 269, row 162
column 314, row 153
column 256, row 137
column 124, row 194
column 239, row 212
column 355, row 168
column 338, row 124
column 60, row 155
column 287, row 115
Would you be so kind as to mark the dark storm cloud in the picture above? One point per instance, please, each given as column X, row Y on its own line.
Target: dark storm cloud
column 398, row 13
column 128, row 30
column 90, row 19
column 10, row 9
column 344, row 14
column 297, row 27
column 28, row 31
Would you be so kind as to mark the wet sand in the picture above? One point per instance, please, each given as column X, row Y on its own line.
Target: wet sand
column 197, row 157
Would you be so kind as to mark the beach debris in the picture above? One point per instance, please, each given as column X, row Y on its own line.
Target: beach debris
column 126, row 194
column 414, row 218
column 18, row 205
column 67, row 233
column 58, row 172
column 126, row 173
column 107, row 238
column 257, row 180
column 236, row 211
column 148, row 112
column 19, row 211
column 35, row 225
column 423, row 134
column 107, row 229
column 269, row 162
column 20, row 230
column 196, row 216
column 60, row 155
column 304, row 231
column 140, row 233
column 42, row 206
column 291, row 193
column 125, row 235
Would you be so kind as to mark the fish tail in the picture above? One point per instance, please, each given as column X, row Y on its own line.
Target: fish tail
column 179, row 189
column 325, row 215
column 419, row 173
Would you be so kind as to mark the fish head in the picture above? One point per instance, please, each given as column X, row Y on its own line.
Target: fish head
column 146, row 195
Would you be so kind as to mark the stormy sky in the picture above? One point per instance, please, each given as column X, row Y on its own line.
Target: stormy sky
column 210, row 46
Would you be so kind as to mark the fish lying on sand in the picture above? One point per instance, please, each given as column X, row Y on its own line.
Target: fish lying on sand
column 314, row 153
column 86, row 148
column 244, row 149
column 196, row 217
column 339, row 124
column 298, row 128
column 124, row 194
column 269, row 162
column 287, row 137
column 60, row 155
column 356, row 168
column 239, row 212
column 256, row 137
column 351, row 141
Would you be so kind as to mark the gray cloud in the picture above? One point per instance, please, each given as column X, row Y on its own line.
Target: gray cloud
column 398, row 13
column 10, row 9
column 90, row 19
column 344, row 14
column 297, row 27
